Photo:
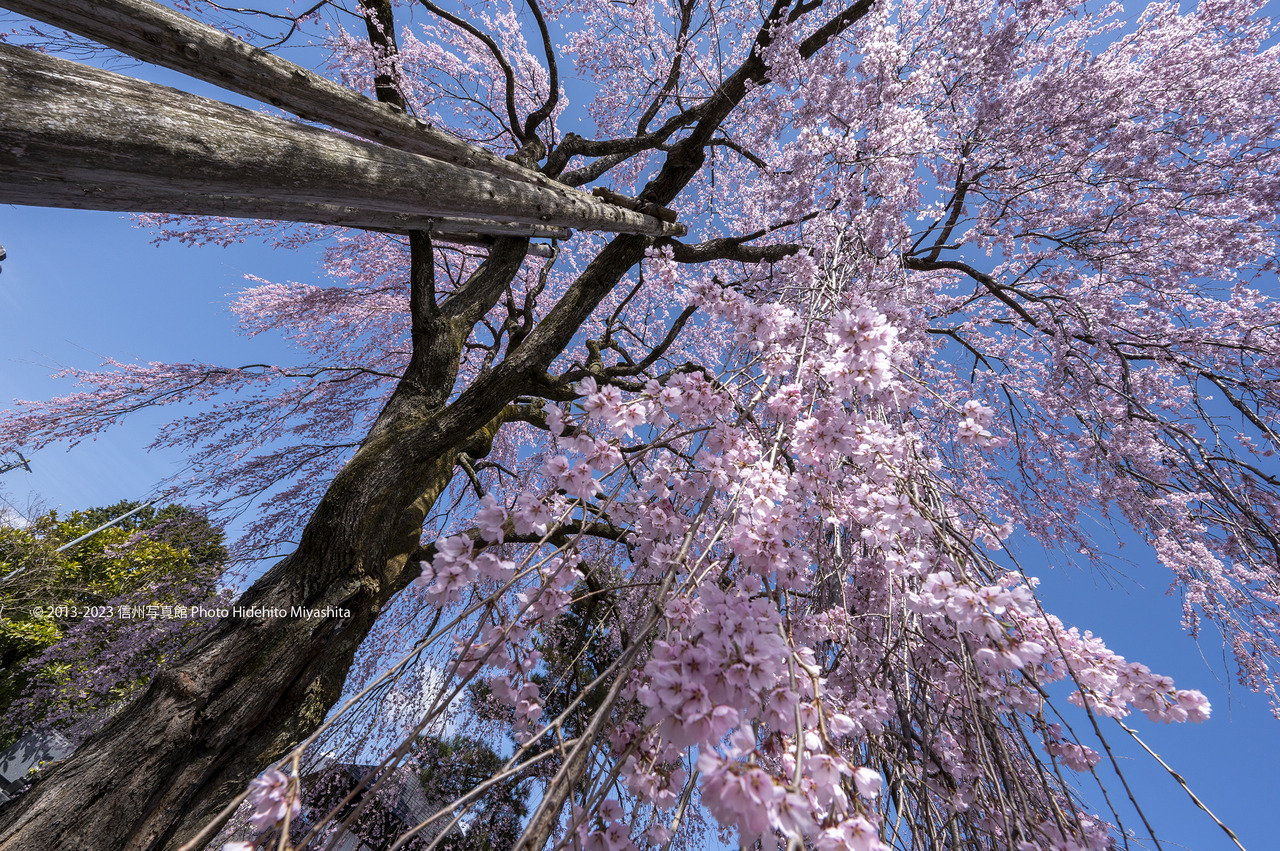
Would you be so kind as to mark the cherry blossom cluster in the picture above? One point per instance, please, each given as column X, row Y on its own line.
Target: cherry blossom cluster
column 274, row 799
column 780, row 741
column 1005, row 630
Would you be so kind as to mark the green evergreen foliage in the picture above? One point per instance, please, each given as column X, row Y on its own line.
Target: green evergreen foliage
column 454, row 766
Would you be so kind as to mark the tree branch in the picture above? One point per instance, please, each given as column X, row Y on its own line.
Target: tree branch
column 730, row 248
column 513, row 117
column 381, row 24
column 673, row 75
column 553, row 79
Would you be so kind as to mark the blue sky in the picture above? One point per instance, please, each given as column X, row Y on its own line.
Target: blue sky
column 78, row 286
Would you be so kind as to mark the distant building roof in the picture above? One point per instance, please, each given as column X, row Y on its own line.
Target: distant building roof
column 27, row 753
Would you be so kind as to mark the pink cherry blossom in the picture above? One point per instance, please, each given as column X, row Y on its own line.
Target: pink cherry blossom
column 273, row 797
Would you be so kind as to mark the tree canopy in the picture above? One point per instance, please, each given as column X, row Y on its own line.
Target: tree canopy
column 727, row 531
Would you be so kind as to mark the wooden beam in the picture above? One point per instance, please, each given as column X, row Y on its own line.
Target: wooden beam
column 124, row 199
column 75, row 136
column 154, row 33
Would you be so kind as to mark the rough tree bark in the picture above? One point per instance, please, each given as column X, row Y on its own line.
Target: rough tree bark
column 253, row 688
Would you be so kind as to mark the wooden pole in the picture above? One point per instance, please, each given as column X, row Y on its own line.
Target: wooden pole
column 157, row 34
column 100, row 196
column 76, row 136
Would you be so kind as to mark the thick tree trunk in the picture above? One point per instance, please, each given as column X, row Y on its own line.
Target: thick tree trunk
column 256, row 686
column 250, row 691
column 75, row 136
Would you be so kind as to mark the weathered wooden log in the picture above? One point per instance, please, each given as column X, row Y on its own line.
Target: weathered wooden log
column 448, row 229
column 75, row 136
column 157, row 34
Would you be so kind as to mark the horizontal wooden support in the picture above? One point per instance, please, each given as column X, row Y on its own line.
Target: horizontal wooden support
column 75, row 136
column 155, row 33
column 120, row 198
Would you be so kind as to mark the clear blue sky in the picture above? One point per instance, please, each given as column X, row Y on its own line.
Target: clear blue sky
column 79, row 286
